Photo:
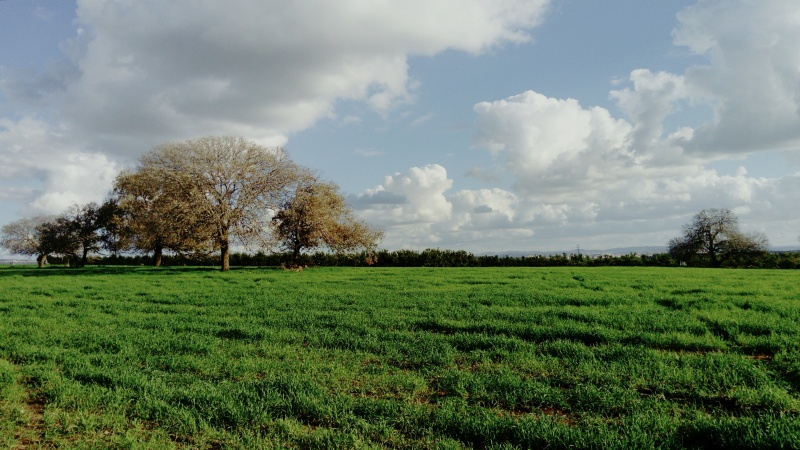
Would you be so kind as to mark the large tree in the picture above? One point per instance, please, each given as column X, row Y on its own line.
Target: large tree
column 22, row 238
column 153, row 216
column 232, row 185
column 317, row 215
column 713, row 235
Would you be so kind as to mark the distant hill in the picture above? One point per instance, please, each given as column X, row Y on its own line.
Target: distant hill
column 589, row 252
column 785, row 248
column 15, row 261
column 618, row 251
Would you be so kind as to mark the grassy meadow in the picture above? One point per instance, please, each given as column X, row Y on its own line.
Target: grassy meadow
column 146, row 358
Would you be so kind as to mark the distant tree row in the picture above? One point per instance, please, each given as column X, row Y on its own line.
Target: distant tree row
column 449, row 258
column 197, row 197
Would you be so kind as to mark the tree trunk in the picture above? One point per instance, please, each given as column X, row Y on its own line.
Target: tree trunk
column 713, row 257
column 84, row 257
column 157, row 254
column 296, row 255
column 224, row 253
column 41, row 260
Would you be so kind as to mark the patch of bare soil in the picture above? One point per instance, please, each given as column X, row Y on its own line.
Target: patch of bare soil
column 30, row 436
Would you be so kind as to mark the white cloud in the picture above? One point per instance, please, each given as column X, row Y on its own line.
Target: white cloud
column 141, row 72
column 37, row 168
column 149, row 71
column 753, row 77
column 368, row 152
column 417, row 210
column 422, row 119
column 549, row 143
column 416, row 196
column 575, row 166
column 652, row 99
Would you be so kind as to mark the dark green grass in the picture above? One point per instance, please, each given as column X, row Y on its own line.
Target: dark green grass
column 399, row 358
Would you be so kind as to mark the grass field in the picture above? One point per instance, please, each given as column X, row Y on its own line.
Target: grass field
column 399, row 358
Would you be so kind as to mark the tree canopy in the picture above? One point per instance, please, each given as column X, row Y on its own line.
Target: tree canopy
column 229, row 186
column 317, row 215
column 154, row 216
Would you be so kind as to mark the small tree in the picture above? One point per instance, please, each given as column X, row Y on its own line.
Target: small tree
column 57, row 237
column 316, row 215
column 714, row 235
column 112, row 236
column 22, row 238
column 87, row 222
column 75, row 233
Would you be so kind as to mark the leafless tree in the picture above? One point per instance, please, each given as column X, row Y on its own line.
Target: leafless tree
column 230, row 185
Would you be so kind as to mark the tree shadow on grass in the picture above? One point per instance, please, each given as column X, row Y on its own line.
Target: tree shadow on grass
column 31, row 271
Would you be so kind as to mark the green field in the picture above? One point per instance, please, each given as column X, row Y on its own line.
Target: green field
column 399, row 358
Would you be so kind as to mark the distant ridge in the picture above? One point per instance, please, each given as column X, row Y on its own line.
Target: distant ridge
column 618, row 251
column 13, row 261
column 646, row 250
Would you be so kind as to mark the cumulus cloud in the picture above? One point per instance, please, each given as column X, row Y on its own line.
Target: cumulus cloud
column 141, row 72
column 46, row 175
column 549, row 142
column 256, row 68
column 753, row 75
column 416, row 196
column 576, row 167
column 417, row 209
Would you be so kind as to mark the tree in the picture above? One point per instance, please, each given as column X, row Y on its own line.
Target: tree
column 316, row 215
column 714, row 235
column 230, row 186
column 57, row 237
column 22, row 238
column 88, row 224
column 152, row 216
column 75, row 233
column 111, row 234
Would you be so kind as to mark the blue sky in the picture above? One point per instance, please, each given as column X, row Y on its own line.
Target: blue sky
column 485, row 126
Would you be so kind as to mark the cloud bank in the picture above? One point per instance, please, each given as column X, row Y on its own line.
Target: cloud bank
column 141, row 72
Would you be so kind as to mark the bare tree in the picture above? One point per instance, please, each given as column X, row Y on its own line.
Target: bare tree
column 22, row 238
column 714, row 234
column 233, row 185
column 316, row 215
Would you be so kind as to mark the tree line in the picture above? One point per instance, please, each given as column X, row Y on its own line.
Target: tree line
column 448, row 258
column 197, row 198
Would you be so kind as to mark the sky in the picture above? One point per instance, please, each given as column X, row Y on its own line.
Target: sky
column 457, row 124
